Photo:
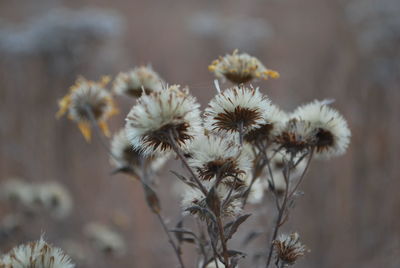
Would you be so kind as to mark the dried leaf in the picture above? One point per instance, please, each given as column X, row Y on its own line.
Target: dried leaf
column 233, row 226
column 184, row 180
column 202, row 212
column 152, row 199
column 213, row 202
column 235, row 253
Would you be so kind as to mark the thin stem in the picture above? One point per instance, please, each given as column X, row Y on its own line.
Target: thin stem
column 303, row 174
column 282, row 209
column 165, row 228
column 178, row 151
column 216, row 256
column 223, row 242
column 240, row 128
column 144, row 180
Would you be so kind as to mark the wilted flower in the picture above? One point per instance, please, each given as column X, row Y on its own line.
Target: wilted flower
column 240, row 68
column 55, row 198
column 124, row 155
column 236, row 110
column 135, row 82
column 273, row 118
column 332, row 135
column 88, row 101
column 36, row 254
column 213, row 156
column 296, row 136
column 194, row 201
column 105, row 239
column 169, row 115
column 289, row 248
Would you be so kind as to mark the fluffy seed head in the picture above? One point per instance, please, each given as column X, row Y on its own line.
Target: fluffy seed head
column 213, row 156
column 289, row 248
column 332, row 135
column 157, row 118
column 105, row 239
column 19, row 192
column 86, row 102
column 296, row 136
column 273, row 120
column 124, row 155
column 240, row 68
column 236, row 109
column 55, row 198
column 135, row 82
column 36, row 254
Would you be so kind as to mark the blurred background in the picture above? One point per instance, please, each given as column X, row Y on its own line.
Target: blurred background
column 345, row 50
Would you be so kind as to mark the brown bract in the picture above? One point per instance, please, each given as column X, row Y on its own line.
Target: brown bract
column 160, row 139
column 234, row 120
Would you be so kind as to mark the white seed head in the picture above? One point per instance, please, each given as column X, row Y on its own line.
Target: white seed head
column 17, row 191
column 125, row 155
column 135, row 82
column 240, row 68
column 296, row 136
column 36, row 254
column 273, row 120
column 236, row 109
column 212, row 155
column 331, row 129
column 159, row 116
column 55, row 198
column 105, row 239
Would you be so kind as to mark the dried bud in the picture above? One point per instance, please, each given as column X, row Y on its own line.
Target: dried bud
column 289, row 248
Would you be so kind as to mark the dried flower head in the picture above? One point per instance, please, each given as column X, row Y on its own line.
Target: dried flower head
column 124, row 155
column 289, row 248
column 105, row 239
column 236, row 110
column 296, row 136
column 240, row 68
column 215, row 156
column 36, row 254
column 135, row 82
column 194, row 201
column 88, row 102
column 55, row 198
column 332, row 135
column 169, row 115
column 273, row 119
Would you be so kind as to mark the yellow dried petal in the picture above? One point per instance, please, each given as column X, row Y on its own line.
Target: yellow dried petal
column 84, row 127
column 104, row 128
column 63, row 105
column 272, row 74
